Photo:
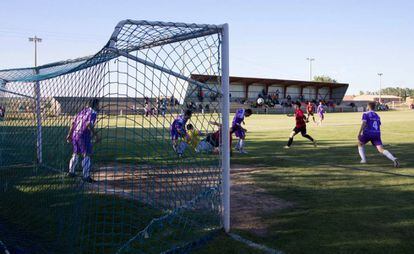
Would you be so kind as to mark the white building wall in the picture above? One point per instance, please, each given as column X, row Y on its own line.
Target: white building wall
column 274, row 88
column 254, row 90
column 237, row 90
column 309, row 93
column 293, row 91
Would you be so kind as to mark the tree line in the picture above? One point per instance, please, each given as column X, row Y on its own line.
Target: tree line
column 397, row 91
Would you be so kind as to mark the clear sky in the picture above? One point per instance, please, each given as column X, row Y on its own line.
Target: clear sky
column 351, row 40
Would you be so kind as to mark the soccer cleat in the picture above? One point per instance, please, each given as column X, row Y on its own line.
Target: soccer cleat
column 88, row 180
column 314, row 143
column 396, row 163
column 180, row 155
column 286, row 147
column 242, row 151
column 71, row 175
column 363, row 162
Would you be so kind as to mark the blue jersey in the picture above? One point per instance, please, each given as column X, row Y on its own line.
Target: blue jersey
column 179, row 125
column 373, row 123
column 238, row 117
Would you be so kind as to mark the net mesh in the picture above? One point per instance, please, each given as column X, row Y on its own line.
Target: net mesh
column 146, row 199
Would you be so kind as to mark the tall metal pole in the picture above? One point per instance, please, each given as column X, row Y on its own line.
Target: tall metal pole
column 38, row 101
column 380, row 84
column 35, row 39
column 310, row 59
column 225, row 134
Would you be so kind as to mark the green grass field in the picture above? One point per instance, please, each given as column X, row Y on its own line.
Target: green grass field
column 340, row 206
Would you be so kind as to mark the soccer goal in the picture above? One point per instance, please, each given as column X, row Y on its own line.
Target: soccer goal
column 145, row 196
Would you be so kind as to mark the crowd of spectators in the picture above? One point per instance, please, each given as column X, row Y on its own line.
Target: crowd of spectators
column 159, row 106
column 272, row 100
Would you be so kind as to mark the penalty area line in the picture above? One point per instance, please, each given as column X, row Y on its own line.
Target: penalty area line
column 254, row 245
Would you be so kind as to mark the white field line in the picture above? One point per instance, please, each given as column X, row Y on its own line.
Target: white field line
column 255, row 245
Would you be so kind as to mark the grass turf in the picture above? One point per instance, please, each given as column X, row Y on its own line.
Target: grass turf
column 341, row 206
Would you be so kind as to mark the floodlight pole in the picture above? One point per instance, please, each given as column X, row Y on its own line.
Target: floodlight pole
column 39, row 145
column 380, row 84
column 310, row 59
column 36, row 40
column 225, row 134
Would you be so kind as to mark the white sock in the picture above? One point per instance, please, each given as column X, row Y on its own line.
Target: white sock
column 86, row 166
column 73, row 163
column 361, row 150
column 387, row 154
column 241, row 143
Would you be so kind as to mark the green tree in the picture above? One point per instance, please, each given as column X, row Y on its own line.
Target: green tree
column 398, row 91
column 326, row 79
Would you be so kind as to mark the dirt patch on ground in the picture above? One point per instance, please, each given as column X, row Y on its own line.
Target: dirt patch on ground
column 249, row 202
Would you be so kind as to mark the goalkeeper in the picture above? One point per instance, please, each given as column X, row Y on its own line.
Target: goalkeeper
column 80, row 135
column 211, row 143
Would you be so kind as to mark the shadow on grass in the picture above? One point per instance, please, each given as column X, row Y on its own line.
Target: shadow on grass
column 64, row 215
column 341, row 206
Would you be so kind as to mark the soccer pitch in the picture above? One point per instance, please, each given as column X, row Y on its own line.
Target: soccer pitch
column 335, row 203
column 338, row 205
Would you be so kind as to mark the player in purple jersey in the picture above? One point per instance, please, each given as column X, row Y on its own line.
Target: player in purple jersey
column 178, row 132
column 81, row 134
column 238, row 129
column 370, row 132
column 321, row 112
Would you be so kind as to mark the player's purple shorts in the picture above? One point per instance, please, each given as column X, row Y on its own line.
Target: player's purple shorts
column 239, row 131
column 174, row 134
column 375, row 139
column 82, row 146
column 321, row 115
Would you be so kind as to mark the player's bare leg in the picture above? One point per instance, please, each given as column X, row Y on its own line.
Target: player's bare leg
column 389, row 155
column 292, row 135
column 361, row 151
column 310, row 138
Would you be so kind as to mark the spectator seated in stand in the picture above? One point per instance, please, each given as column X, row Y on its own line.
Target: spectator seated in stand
column 200, row 95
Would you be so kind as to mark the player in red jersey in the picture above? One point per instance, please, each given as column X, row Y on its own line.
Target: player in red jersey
column 300, row 126
column 309, row 110
column 212, row 141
